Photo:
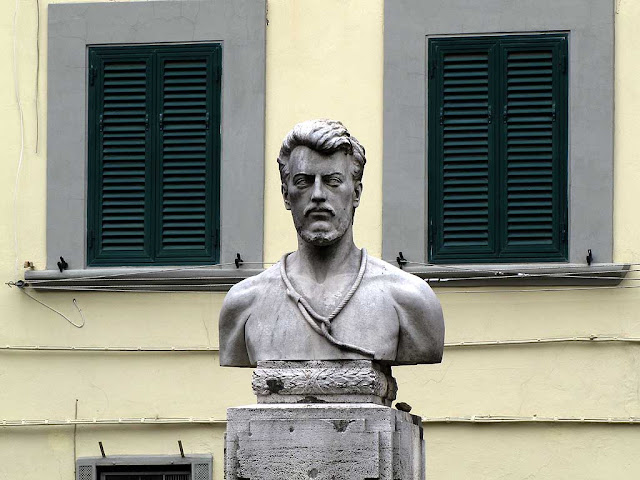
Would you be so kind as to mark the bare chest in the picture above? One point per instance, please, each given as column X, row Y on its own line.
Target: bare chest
column 276, row 328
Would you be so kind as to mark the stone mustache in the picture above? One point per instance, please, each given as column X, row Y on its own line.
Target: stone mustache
column 328, row 300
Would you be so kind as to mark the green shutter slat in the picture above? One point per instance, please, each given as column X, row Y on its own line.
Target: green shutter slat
column 459, row 121
column 119, row 155
column 531, row 168
column 188, row 205
column 497, row 148
column 154, row 189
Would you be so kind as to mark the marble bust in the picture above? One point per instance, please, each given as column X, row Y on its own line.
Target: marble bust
column 328, row 300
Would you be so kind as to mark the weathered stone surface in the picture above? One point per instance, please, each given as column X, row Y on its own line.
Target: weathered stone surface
column 328, row 300
column 332, row 442
column 354, row 381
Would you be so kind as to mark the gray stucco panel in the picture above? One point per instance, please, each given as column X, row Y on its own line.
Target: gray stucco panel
column 409, row 24
column 241, row 27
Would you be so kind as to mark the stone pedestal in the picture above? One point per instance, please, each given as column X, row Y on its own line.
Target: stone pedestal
column 323, row 441
column 323, row 420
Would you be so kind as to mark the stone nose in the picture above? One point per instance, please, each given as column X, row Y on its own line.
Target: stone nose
column 318, row 193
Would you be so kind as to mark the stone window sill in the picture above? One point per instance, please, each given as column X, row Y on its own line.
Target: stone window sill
column 159, row 279
column 525, row 274
column 213, row 279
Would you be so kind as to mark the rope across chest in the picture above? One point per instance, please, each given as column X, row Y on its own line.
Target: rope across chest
column 322, row 324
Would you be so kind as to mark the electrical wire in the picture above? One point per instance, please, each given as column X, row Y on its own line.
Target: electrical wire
column 578, row 276
column 200, row 288
column 37, row 72
column 221, row 421
column 19, row 102
column 532, row 419
column 495, row 275
column 208, row 349
column 53, row 348
column 56, row 311
column 110, row 421
column 526, row 341
column 494, row 270
column 537, row 289
column 602, row 275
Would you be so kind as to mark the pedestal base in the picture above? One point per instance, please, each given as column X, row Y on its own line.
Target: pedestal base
column 337, row 441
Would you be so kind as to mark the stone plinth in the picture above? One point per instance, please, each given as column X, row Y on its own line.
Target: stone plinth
column 349, row 441
column 321, row 381
column 323, row 420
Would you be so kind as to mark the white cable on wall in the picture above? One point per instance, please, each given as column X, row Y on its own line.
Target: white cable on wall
column 19, row 102
column 75, row 302
column 220, row 421
column 478, row 343
column 199, row 288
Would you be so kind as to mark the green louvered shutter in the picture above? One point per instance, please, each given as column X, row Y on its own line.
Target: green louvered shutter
column 189, row 131
column 533, row 147
column 154, row 155
column 497, row 149
column 462, row 129
column 120, row 103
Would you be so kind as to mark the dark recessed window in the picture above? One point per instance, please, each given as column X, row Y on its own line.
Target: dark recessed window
column 154, row 154
column 137, row 472
column 497, row 148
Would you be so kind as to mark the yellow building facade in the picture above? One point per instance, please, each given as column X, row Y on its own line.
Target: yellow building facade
column 142, row 372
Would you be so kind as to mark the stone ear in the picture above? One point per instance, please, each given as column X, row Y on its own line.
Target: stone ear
column 357, row 194
column 285, row 196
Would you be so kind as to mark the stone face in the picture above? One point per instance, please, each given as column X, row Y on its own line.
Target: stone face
column 332, row 442
column 359, row 381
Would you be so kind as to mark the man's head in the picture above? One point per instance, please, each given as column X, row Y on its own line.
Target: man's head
column 321, row 168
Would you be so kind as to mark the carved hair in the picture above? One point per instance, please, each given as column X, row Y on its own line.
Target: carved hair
column 323, row 136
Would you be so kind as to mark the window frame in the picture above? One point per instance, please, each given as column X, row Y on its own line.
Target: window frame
column 408, row 27
column 91, row 468
column 240, row 26
column 496, row 251
column 153, row 220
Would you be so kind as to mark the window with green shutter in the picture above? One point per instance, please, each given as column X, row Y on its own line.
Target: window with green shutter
column 497, row 156
column 154, row 154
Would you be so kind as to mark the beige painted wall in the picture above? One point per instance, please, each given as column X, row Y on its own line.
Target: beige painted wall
column 324, row 59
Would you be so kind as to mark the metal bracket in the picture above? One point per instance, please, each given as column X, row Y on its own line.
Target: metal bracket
column 62, row 265
column 401, row 260
column 181, row 450
column 238, row 261
column 589, row 257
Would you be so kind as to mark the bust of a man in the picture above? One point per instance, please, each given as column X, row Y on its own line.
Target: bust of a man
column 328, row 300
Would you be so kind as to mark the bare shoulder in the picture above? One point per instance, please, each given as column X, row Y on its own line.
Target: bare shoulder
column 405, row 287
column 243, row 294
